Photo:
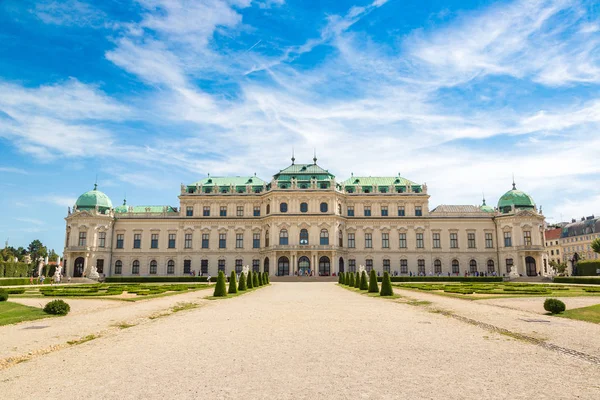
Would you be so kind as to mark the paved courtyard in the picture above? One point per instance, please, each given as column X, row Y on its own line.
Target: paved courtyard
column 304, row 341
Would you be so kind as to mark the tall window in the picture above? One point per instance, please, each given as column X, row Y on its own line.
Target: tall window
column 527, row 238
column 454, row 240
column 490, row 266
column 172, row 240
column 437, row 243
column 283, row 237
column 189, row 211
column 507, row 239
column 239, row 240
column 283, row 207
column 120, row 240
column 256, row 211
column 221, row 265
column 384, row 211
column 256, row 240
column 351, row 211
column 171, row 267
column 223, row 211
column 303, row 237
column 187, row 266
column 509, row 265
column 204, row 267
column 154, row 241
column 340, row 239
column 153, row 267
column 351, row 242
column 188, row 241
column 238, row 266
column 118, row 267
column 256, row 265
column 420, row 241
column 240, row 211
column 368, row 240
column 472, row 266
column 137, row 240
column 205, row 240
column 324, row 239
column 404, row 266
column 421, row 266
column 82, row 238
column 455, row 267
column 222, row 240
column 267, row 239
column 369, row 265
column 206, row 211
column 471, row 240
column 351, row 265
column 489, row 241
column 324, row 207
column 385, row 240
column 367, row 211
column 303, row 207
column 437, row 267
column 101, row 239
column 403, row 240
column 386, row 265
column 418, row 211
column 401, row 212
column 135, row 267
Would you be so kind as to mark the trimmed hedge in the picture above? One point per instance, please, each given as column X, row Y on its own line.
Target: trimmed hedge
column 232, row 283
column 242, row 285
column 364, row 283
column 57, row 307
column 555, row 306
column 3, row 295
column 20, row 281
column 147, row 279
column 350, row 279
column 220, row 287
column 444, row 279
column 14, row 269
column 373, row 288
column 586, row 281
column 588, row 268
column 386, row 285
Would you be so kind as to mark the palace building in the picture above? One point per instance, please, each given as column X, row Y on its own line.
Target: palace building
column 304, row 220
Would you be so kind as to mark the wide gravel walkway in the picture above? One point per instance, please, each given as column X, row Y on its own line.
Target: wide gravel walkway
column 303, row 341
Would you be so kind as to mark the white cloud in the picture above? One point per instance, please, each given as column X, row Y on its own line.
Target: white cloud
column 32, row 221
column 69, row 13
column 14, row 170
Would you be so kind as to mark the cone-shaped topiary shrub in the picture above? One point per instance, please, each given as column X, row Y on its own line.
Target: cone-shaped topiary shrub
column 242, row 285
column 373, row 288
column 3, row 295
column 249, row 281
column 232, row 283
column 57, row 307
column 350, row 279
column 266, row 277
column 340, row 279
column 386, row 285
column 260, row 279
column 357, row 280
column 254, row 279
column 555, row 306
column 364, row 284
column 220, row 287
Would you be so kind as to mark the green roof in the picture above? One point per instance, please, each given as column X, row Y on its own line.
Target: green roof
column 302, row 170
column 229, row 180
column 381, row 182
column 515, row 198
column 144, row 209
column 89, row 201
column 484, row 207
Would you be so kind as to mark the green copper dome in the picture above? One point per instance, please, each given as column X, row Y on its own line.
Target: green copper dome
column 485, row 208
column 93, row 198
column 515, row 198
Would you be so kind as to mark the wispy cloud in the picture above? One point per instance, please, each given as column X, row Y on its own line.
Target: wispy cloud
column 13, row 170
column 69, row 13
column 32, row 221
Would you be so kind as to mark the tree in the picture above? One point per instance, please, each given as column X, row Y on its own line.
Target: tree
column 242, row 285
column 364, row 284
column 220, row 287
column 386, row 285
column 350, row 279
column 373, row 287
column 249, row 282
column 357, row 280
column 341, row 278
column 260, row 279
column 255, row 279
column 232, row 283
column 266, row 274
column 560, row 268
column 596, row 245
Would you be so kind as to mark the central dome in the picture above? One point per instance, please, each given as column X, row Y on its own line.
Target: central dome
column 515, row 198
column 89, row 201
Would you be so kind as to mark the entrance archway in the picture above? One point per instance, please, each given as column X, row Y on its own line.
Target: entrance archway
column 283, row 266
column 78, row 270
column 303, row 266
column 530, row 266
column 324, row 266
column 341, row 265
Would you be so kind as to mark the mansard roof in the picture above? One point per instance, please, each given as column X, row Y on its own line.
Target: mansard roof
column 229, row 181
column 445, row 208
column 303, row 172
column 144, row 209
column 378, row 181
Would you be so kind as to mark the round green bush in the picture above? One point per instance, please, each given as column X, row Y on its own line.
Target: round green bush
column 555, row 306
column 57, row 307
column 3, row 295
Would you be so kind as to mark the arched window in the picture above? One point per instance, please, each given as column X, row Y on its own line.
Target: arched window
column 455, row 267
column 283, row 237
column 491, row 268
column 135, row 267
column 153, row 267
column 473, row 266
column 118, row 267
column 324, row 207
column 437, row 267
column 267, row 238
column 283, row 207
column 268, row 209
column 303, row 237
column 171, row 267
column 303, row 207
column 341, row 239
column 324, row 237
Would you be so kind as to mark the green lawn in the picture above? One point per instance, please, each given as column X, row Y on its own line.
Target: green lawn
column 590, row 314
column 11, row 313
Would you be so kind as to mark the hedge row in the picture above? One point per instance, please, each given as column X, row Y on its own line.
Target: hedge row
column 13, row 269
column 588, row 268
column 20, row 281
column 587, row 281
column 443, row 279
column 147, row 279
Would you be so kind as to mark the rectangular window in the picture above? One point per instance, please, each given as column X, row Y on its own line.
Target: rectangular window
column 368, row 240
column 206, row 211
column 401, row 211
column 351, row 265
column 222, row 265
column 367, row 211
column 256, row 240
column 489, row 241
column 100, row 266
column 350, row 211
column 189, row 211
column 238, row 266
column 437, row 243
column 239, row 240
column 509, row 265
column 204, row 267
column 205, row 237
column 120, row 240
column 384, row 211
column 222, row 240
column 188, row 241
column 386, row 266
column 351, row 242
column 172, row 240
column 418, row 211
column 223, row 211
column 257, row 211
column 256, row 265
column 454, row 240
column 404, row 266
column 507, row 239
column 187, row 266
column 420, row 241
column 471, row 240
column 137, row 240
column 369, row 265
column 527, row 238
column 102, row 239
column 154, row 241
column 82, row 238
column 403, row 240
column 240, row 211
column 421, row 266
column 385, row 240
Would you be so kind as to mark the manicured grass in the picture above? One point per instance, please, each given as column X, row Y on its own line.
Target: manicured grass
column 239, row 293
column 11, row 313
column 589, row 314
column 366, row 293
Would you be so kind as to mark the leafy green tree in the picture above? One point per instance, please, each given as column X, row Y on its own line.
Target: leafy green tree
column 364, row 283
column 386, row 285
column 232, row 283
column 373, row 287
column 560, row 268
column 242, row 285
column 220, row 287
column 249, row 281
column 596, row 245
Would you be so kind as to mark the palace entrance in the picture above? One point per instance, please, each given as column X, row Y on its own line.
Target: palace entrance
column 303, row 266
column 324, row 266
column 78, row 270
column 530, row 266
column 283, row 266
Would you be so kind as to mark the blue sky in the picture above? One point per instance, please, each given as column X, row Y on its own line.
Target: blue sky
column 148, row 94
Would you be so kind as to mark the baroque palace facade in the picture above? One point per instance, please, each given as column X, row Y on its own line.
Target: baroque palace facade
column 304, row 221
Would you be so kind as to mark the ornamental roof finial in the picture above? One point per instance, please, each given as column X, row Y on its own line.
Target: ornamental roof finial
column 293, row 158
column 483, row 194
column 514, row 186
column 315, row 157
